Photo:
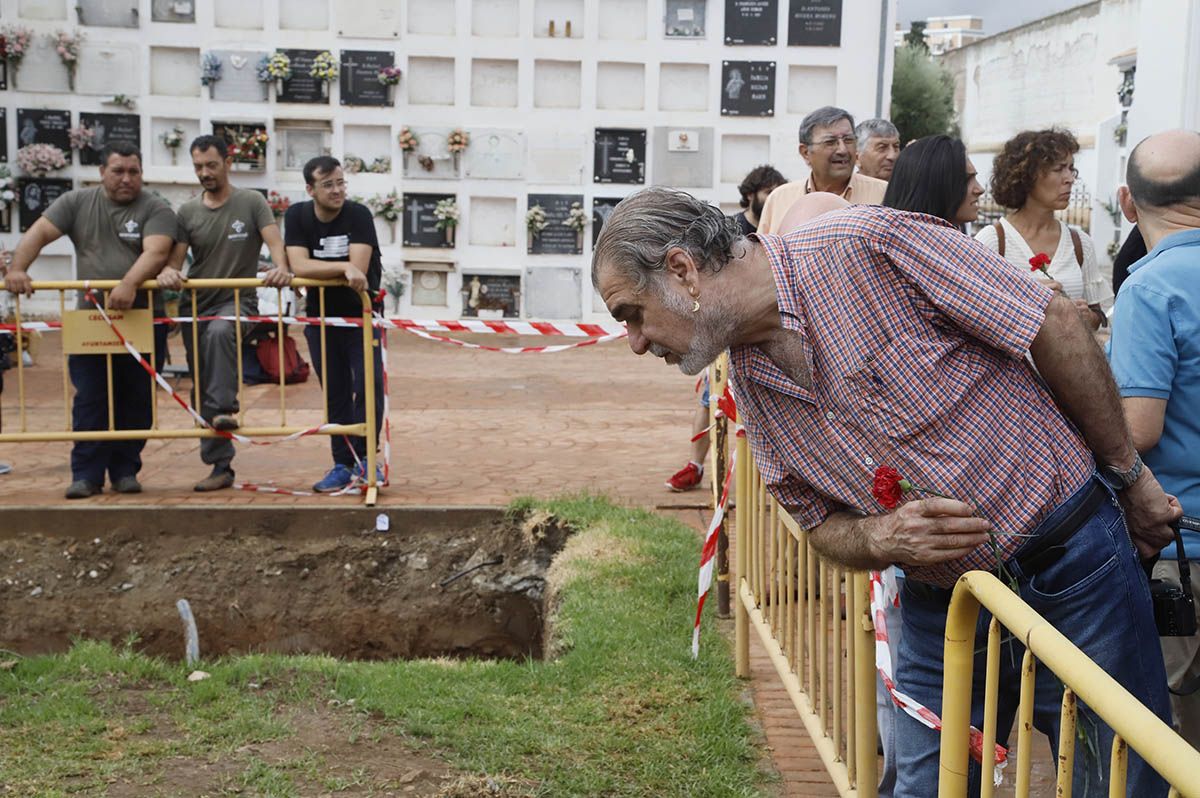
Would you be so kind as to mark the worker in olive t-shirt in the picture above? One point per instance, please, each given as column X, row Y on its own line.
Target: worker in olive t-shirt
column 225, row 228
column 119, row 233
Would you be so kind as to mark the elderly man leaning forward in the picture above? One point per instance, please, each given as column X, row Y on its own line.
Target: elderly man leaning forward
column 873, row 337
column 829, row 146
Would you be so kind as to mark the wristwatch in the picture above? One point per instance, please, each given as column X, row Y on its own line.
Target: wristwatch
column 1119, row 479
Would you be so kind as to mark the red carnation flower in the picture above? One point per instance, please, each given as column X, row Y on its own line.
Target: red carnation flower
column 1039, row 262
column 889, row 486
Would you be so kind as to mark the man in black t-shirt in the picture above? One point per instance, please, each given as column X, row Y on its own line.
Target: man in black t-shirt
column 332, row 238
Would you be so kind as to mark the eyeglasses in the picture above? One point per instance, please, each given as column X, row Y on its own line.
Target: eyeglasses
column 330, row 185
column 832, row 141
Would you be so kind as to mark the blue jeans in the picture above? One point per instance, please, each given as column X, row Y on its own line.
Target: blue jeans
column 1097, row 595
column 133, row 396
column 344, row 380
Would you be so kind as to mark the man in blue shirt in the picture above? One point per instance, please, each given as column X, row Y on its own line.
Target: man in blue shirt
column 1155, row 355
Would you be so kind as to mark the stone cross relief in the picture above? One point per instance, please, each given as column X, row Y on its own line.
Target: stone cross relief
column 415, row 213
column 348, row 71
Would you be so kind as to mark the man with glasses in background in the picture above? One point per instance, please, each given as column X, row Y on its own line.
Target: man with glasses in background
column 332, row 238
column 830, row 148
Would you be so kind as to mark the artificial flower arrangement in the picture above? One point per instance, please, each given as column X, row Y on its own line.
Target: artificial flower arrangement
column 389, row 76
column 352, row 164
column 210, row 69
column 325, row 69
column 250, row 147
column 8, row 189
column 173, row 139
column 38, row 160
column 123, row 101
column 382, row 165
column 387, row 206
column 447, row 214
column 408, row 140
column 14, row 45
column 278, row 204
column 66, row 45
column 535, row 220
column 457, row 141
column 80, row 137
column 576, row 219
column 275, row 68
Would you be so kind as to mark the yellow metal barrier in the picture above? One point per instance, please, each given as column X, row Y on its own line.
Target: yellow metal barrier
column 1133, row 724
column 366, row 429
column 814, row 619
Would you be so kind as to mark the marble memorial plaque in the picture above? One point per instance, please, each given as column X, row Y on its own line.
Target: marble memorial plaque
column 620, row 156
column 683, row 168
column 359, row 77
column 107, row 129
column 751, row 21
column 748, row 88
column 41, row 70
column 239, row 77
column 431, row 161
column 304, row 15
column 552, row 292
column 173, row 10
column 37, row 195
column 419, row 225
column 238, row 14
column 302, row 87
column 42, row 9
column 367, row 19
column 108, row 68
column 108, row 13
column 815, row 23
column 602, row 208
column 44, row 127
column 495, row 154
column 175, row 71
column 493, row 221
column 555, row 158
column 487, row 295
column 685, row 19
column 556, row 238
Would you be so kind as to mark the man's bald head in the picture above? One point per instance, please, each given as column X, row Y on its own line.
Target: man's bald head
column 1164, row 170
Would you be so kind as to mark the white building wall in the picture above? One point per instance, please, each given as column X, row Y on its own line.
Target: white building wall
column 609, row 74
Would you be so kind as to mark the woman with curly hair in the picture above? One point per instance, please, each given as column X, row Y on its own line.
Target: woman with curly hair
column 1032, row 177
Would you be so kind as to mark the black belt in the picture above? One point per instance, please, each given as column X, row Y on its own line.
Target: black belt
column 1045, row 550
column 1041, row 552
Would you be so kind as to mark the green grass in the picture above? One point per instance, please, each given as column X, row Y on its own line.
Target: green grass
column 622, row 711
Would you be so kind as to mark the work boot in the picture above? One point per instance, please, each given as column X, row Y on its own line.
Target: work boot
column 221, row 477
column 82, row 489
column 225, row 422
column 127, row 484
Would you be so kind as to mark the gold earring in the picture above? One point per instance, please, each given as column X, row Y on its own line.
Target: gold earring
column 695, row 305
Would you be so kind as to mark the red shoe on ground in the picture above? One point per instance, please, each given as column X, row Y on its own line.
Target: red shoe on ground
column 686, row 478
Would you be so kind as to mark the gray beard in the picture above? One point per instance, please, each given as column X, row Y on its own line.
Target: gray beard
column 714, row 331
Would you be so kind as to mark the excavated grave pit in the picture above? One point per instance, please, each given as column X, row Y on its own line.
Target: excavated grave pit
column 289, row 581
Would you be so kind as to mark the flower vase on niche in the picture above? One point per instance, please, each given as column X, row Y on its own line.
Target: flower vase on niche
column 456, row 160
column 278, row 88
column 578, row 241
column 450, row 236
column 324, row 90
column 392, row 229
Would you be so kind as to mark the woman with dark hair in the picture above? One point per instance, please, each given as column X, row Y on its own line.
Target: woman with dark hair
column 933, row 175
column 1032, row 176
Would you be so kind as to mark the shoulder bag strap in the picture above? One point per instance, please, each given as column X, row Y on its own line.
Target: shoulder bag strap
column 999, row 238
column 1078, row 244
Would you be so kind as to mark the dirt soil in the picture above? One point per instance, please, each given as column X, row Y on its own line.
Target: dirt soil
column 281, row 581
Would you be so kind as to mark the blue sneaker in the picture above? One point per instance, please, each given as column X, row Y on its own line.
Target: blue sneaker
column 338, row 477
column 360, row 473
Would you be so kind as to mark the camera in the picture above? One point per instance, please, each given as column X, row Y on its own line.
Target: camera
column 1174, row 606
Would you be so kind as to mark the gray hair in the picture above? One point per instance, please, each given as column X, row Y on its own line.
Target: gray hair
column 645, row 225
column 880, row 128
column 822, row 117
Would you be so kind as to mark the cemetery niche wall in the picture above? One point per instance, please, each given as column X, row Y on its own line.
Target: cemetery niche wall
column 551, row 234
column 620, row 156
column 491, row 296
column 751, row 21
column 815, row 23
column 108, row 129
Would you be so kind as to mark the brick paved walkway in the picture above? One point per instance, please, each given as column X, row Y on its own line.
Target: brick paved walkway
column 469, row 428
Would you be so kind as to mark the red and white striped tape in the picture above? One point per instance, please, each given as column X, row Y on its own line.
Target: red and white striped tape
column 708, row 554
column 884, row 592
column 479, row 326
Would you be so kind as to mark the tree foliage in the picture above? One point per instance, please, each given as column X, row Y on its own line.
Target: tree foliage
column 916, row 36
column 922, row 95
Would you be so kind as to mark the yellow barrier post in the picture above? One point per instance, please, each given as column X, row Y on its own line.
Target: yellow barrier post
column 865, row 721
column 718, row 377
column 956, row 693
column 369, row 396
column 745, row 503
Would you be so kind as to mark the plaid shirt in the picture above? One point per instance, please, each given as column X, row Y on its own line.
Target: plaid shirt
column 916, row 335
